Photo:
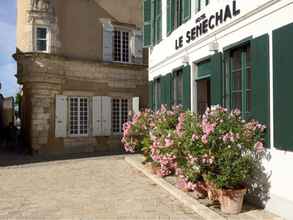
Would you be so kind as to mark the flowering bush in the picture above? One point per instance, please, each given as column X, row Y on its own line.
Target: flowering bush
column 163, row 149
column 136, row 133
column 191, row 153
column 219, row 146
column 232, row 143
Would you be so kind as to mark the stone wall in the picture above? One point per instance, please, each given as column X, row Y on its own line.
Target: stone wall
column 45, row 76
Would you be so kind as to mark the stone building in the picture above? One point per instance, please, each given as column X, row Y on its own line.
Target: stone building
column 83, row 68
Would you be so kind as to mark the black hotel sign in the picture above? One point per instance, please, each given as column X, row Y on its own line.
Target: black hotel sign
column 204, row 24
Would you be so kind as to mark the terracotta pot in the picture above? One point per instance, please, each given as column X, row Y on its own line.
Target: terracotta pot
column 213, row 192
column 231, row 200
column 201, row 191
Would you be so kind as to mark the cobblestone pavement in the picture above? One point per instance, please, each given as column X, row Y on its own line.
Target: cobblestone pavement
column 96, row 188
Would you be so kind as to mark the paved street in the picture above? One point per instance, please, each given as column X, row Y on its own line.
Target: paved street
column 96, row 188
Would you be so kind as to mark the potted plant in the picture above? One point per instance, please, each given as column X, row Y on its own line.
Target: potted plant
column 136, row 134
column 163, row 148
column 233, row 144
column 190, row 154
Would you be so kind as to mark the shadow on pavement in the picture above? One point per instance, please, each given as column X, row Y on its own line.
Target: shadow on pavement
column 16, row 159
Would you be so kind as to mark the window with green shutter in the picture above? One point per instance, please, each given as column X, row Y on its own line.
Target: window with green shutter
column 216, row 79
column 165, row 86
column 177, row 86
column 178, row 12
column 186, row 10
column 158, row 22
column 151, row 94
column 283, row 87
column 170, row 15
column 168, row 80
column 260, row 60
column 147, row 28
column 157, row 93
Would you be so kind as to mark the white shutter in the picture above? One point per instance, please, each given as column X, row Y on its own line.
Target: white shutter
column 97, row 116
column 107, row 42
column 137, row 44
column 61, row 116
column 106, row 115
column 135, row 105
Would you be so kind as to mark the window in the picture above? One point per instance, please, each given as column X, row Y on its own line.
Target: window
column 42, row 39
column 78, row 116
column 178, row 88
column 119, row 114
column 240, row 73
column 157, row 93
column 121, row 46
column 178, row 14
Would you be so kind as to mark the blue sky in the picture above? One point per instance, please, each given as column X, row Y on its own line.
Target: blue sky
column 7, row 47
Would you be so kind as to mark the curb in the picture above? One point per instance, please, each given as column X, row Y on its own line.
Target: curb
column 193, row 204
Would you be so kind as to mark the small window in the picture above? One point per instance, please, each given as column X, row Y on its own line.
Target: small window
column 178, row 88
column 119, row 114
column 121, row 46
column 42, row 39
column 78, row 116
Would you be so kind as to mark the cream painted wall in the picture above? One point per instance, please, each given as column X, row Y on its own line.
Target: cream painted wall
column 257, row 17
column 76, row 29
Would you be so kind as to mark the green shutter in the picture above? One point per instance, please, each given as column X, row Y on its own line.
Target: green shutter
column 261, row 81
column 186, row 87
column 151, row 94
column 153, row 22
column 170, row 16
column 204, row 68
column 158, row 25
column 147, row 29
column 186, row 10
column 168, row 80
column 283, row 87
column 172, row 90
column 216, row 79
column 163, row 90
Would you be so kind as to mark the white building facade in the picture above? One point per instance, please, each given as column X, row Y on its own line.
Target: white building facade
column 235, row 53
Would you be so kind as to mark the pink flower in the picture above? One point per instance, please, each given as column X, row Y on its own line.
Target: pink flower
column 259, row 147
column 194, row 137
column 207, row 127
column 168, row 142
column 204, row 139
